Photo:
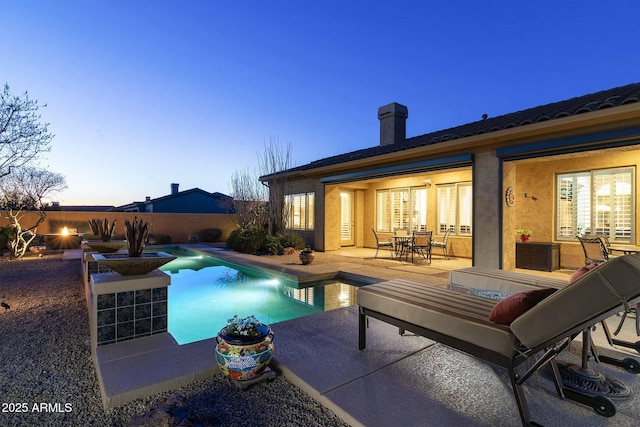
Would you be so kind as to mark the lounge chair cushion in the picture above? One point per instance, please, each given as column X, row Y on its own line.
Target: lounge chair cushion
column 581, row 271
column 507, row 310
column 451, row 313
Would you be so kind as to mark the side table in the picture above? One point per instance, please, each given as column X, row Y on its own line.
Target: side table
column 542, row 256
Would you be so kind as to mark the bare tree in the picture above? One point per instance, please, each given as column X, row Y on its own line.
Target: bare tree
column 249, row 199
column 22, row 136
column 274, row 160
column 22, row 192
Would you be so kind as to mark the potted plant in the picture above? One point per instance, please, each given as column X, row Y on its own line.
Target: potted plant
column 37, row 245
column 104, row 230
column 134, row 262
column 137, row 235
column 524, row 234
column 244, row 348
column 306, row 255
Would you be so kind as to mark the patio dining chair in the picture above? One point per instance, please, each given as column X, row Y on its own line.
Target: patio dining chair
column 401, row 232
column 421, row 244
column 605, row 242
column 379, row 244
column 442, row 244
column 594, row 249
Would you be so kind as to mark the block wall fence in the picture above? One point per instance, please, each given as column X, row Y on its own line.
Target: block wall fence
column 176, row 225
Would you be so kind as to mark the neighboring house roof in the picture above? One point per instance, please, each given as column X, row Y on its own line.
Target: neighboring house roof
column 79, row 208
column 194, row 200
column 583, row 104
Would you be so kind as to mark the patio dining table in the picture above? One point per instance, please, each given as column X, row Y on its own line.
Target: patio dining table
column 401, row 244
column 625, row 249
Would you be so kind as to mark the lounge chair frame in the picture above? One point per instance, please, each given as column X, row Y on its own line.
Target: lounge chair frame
column 441, row 302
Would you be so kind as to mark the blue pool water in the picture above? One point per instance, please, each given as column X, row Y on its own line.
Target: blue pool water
column 204, row 293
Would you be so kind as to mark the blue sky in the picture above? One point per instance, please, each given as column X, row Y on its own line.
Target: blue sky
column 141, row 94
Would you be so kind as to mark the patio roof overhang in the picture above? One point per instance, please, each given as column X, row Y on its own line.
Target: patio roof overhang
column 595, row 141
column 401, row 169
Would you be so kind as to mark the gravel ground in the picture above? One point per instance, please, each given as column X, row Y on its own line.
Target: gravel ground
column 47, row 377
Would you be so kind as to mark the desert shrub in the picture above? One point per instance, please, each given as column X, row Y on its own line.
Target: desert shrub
column 271, row 246
column 159, row 239
column 7, row 234
column 37, row 241
column 232, row 240
column 212, row 235
column 255, row 240
column 251, row 240
column 291, row 240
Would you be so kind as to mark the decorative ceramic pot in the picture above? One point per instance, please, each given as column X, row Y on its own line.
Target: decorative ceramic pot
column 122, row 264
column 37, row 250
column 244, row 358
column 104, row 247
column 306, row 257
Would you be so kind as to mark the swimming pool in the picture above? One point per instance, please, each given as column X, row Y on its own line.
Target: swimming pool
column 204, row 293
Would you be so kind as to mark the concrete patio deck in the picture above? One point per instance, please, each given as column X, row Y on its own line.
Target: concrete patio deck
column 397, row 380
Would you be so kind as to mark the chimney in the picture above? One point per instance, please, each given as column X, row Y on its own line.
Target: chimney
column 174, row 188
column 147, row 199
column 393, row 123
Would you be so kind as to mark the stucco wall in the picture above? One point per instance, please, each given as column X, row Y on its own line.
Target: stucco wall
column 365, row 209
column 509, row 219
column 486, row 210
column 536, row 178
column 177, row 226
column 314, row 237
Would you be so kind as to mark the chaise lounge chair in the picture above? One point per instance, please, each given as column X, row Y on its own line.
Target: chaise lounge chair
column 537, row 336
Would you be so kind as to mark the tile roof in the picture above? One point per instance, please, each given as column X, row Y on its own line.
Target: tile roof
column 583, row 104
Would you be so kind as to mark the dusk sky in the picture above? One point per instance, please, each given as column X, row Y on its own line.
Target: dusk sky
column 141, row 94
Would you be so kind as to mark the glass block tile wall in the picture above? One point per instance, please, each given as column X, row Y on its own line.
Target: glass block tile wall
column 127, row 315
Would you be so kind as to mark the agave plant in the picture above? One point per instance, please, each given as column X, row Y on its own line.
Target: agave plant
column 102, row 228
column 137, row 234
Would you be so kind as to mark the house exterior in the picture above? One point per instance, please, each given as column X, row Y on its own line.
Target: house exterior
column 194, row 200
column 559, row 170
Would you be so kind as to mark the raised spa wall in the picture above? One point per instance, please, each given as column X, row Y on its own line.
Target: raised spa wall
column 123, row 308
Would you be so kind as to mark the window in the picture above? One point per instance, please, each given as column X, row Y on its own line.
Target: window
column 596, row 202
column 301, row 210
column 304, row 295
column 401, row 208
column 455, row 203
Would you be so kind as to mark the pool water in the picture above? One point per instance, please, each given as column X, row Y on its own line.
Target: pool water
column 204, row 293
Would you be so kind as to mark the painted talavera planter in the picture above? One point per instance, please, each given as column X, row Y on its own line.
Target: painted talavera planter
column 124, row 265
column 306, row 257
column 244, row 358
